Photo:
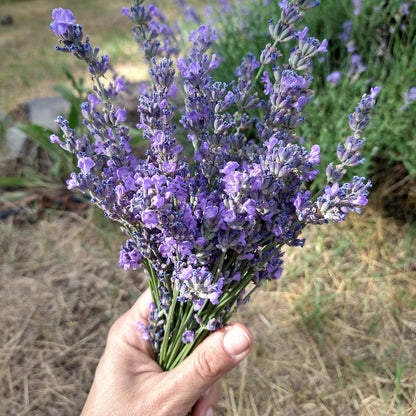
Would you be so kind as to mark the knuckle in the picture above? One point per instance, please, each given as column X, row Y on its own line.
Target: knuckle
column 205, row 367
column 115, row 331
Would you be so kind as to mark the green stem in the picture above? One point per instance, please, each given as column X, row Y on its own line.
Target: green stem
column 177, row 342
column 253, row 85
column 180, row 351
column 170, row 319
column 218, row 266
column 152, row 283
column 229, row 315
column 266, row 260
column 230, row 261
column 200, row 335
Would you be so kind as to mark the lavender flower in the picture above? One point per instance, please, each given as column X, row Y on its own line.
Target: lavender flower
column 151, row 30
column 410, row 96
column 300, row 56
column 207, row 227
column 347, row 30
column 359, row 119
column 348, row 153
column 358, row 4
column 404, row 8
column 71, row 36
column 188, row 336
column 334, row 77
column 356, row 67
column 190, row 13
column 336, row 201
column 63, row 19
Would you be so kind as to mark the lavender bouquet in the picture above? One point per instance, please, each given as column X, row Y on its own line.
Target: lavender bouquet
column 209, row 228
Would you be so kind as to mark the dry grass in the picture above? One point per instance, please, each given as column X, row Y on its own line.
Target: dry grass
column 61, row 289
column 336, row 336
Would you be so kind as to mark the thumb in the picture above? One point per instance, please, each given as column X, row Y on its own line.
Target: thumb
column 215, row 356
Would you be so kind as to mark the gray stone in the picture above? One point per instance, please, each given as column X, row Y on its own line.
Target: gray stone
column 3, row 117
column 5, row 123
column 6, row 20
column 43, row 111
column 13, row 146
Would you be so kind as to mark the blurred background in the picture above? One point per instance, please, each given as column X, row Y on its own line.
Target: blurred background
column 336, row 335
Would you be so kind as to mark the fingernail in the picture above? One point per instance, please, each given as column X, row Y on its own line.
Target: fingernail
column 210, row 412
column 236, row 341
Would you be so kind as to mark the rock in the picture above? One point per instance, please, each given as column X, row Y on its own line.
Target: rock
column 13, row 146
column 5, row 123
column 6, row 20
column 43, row 111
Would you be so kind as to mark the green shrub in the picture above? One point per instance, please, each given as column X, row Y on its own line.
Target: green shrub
column 383, row 35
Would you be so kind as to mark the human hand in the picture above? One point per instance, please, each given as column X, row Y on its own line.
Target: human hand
column 128, row 382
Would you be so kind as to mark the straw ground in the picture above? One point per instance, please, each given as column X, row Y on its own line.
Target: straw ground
column 335, row 336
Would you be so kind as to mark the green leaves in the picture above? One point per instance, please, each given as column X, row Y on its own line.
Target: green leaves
column 63, row 162
column 75, row 96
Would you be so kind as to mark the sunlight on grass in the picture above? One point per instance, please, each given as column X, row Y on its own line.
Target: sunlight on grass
column 36, row 68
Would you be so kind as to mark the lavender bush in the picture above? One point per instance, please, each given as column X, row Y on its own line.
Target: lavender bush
column 369, row 42
column 211, row 229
